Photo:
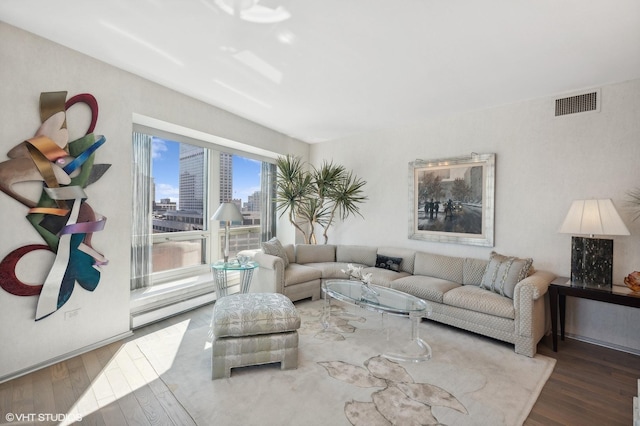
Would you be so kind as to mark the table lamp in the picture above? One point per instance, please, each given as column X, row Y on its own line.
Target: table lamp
column 592, row 258
column 227, row 213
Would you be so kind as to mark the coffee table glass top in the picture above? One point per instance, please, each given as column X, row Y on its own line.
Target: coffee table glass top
column 381, row 299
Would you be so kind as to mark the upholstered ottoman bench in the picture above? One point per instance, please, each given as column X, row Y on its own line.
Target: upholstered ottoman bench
column 253, row 329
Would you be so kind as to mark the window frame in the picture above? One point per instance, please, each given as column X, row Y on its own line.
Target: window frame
column 213, row 146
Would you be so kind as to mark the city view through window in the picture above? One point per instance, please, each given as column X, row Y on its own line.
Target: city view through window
column 180, row 179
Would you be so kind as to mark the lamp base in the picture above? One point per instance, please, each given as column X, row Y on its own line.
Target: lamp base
column 591, row 262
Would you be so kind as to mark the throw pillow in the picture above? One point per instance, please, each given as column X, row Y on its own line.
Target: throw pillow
column 504, row 272
column 388, row 262
column 274, row 248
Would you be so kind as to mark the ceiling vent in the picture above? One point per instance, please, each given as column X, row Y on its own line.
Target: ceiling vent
column 579, row 103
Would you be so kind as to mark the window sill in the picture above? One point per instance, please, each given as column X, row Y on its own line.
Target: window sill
column 161, row 301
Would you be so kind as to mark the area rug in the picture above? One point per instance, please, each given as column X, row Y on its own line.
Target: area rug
column 341, row 378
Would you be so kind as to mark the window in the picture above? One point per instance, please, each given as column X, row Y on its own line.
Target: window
column 178, row 182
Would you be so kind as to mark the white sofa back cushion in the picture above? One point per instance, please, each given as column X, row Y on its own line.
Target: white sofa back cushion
column 363, row 255
column 473, row 271
column 314, row 253
column 439, row 266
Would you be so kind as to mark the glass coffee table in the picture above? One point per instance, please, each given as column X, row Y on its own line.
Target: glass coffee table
column 385, row 301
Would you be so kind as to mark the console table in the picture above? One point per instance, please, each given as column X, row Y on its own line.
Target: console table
column 562, row 287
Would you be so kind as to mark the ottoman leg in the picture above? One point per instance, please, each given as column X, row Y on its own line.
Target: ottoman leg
column 219, row 370
column 220, row 367
column 290, row 359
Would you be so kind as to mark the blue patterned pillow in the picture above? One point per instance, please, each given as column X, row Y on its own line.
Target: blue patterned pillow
column 388, row 262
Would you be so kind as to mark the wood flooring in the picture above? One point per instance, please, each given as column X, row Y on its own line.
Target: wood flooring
column 116, row 385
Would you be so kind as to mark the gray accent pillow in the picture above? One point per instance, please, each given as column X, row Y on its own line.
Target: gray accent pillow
column 274, row 248
column 504, row 272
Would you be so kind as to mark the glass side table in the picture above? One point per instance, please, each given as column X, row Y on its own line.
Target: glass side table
column 220, row 270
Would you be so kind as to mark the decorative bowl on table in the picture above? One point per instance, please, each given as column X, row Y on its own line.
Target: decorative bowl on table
column 633, row 281
column 243, row 259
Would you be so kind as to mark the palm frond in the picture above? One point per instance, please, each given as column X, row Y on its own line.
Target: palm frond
column 313, row 197
column 634, row 202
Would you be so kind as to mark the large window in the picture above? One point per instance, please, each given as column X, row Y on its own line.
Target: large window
column 177, row 184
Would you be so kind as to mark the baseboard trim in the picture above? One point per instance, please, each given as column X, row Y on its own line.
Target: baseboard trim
column 65, row 356
column 603, row 344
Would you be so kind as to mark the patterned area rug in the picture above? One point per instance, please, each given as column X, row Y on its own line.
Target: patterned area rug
column 342, row 379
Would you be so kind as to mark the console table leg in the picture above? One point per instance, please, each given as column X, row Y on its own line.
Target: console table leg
column 553, row 305
column 563, row 305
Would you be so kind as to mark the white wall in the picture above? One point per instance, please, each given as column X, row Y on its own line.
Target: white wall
column 542, row 164
column 31, row 65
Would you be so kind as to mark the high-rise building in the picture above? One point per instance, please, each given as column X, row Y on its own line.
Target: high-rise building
column 192, row 174
column 253, row 202
column 226, row 177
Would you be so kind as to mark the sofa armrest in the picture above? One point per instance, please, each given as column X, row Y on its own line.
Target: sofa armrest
column 270, row 277
column 530, row 310
column 535, row 285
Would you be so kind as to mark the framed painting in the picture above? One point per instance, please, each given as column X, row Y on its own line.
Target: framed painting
column 451, row 200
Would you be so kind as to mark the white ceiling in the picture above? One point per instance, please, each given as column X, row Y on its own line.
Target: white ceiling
column 330, row 68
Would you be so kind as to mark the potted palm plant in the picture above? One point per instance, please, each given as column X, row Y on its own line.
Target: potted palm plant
column 314, row 197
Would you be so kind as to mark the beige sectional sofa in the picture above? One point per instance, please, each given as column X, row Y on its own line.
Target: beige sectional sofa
column 501, row 297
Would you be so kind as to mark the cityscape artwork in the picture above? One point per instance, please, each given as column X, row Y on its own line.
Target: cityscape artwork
column 452, row 199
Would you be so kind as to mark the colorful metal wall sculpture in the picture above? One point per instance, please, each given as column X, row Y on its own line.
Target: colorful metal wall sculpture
column 62, row 217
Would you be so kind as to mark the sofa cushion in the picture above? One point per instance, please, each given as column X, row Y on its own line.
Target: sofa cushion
column 290, row 249
column 297, row 274
column 408, row 257
column 435, row 265
column 473, row 271
column 364, row 255
column 504, row 272
column 479, row 300
column 388, row 262
column 423, row 287
column 274, row 248
column 383, row 277
column 314, row 253
column 332, row 270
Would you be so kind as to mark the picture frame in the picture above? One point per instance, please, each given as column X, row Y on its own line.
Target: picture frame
column 452, row 200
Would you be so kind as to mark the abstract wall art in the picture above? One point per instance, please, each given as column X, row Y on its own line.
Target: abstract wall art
column 61, row 216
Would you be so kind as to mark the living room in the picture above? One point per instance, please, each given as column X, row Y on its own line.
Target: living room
column 543, row 163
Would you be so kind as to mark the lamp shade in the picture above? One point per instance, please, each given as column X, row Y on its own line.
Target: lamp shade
column 593, row 217
column 227, row 212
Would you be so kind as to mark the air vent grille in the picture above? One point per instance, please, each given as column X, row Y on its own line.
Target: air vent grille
column 576, row 104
